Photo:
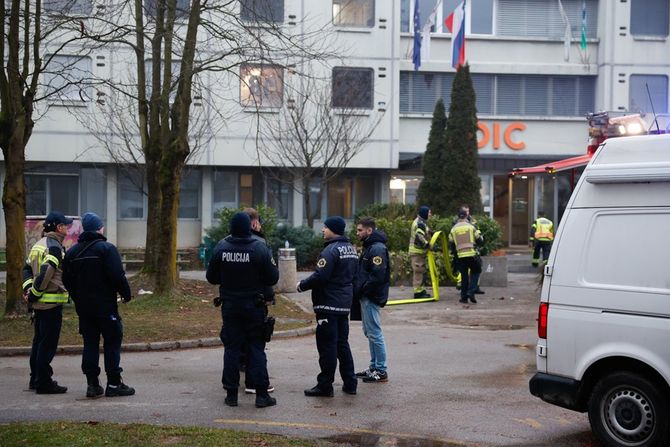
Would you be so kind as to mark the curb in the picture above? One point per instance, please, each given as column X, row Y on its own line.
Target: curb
column 155, row 346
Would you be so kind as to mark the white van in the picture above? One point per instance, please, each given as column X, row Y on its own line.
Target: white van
column 604, row 319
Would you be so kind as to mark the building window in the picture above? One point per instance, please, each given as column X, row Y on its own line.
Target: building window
column 404, row 189
column 639, row 96
column 189, row 194
column 526, row 95
column 365, row 192
column 70, row 7
column 266, row 11
column 174, row 77
column 93, row 191
column 183, row 8
column 279, row 198
column 65, row 78
column 340, row 197
column 314, row 205
column 224, row 190
column 649, row 17
column 52, row 192
column 541, row 18
column 261, row 86
column 354, row 13
column 353, row 87
column 131, row 192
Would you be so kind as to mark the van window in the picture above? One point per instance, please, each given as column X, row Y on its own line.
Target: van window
column 627, row 249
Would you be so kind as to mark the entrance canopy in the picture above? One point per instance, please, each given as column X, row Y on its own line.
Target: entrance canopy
column 554, row 166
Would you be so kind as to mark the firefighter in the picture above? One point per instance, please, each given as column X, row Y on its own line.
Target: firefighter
column 418, row 248
column 541, row 236
column 43, row 289
column 463, row 239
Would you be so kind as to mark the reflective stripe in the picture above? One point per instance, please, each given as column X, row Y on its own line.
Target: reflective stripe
column 35, row 291
column 544, row 229
column 52, row 258
column 27, row 283
column 415, row 230
column 54, row 298
column 463, row 236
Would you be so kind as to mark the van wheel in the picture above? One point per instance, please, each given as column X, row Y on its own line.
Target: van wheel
column 628, row 410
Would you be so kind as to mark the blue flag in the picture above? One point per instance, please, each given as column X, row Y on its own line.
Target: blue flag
column 416, row 51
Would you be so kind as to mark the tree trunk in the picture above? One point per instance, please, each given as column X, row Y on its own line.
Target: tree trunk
column 307, row 201
column 151, row 256
column 166, row 251
column 14, row 206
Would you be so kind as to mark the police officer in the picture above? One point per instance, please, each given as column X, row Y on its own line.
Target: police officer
column 332, row 294
column 43, row 289
column 418, row 248
column 541, row 236
column 462, row 239
column 94, row 275
column 269, row 293
column 243, row 267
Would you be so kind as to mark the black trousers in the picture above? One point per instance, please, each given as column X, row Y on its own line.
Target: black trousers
column 470, row 269
column 541, row 246
column 111, row 329
column 243, row 331
column 47, row 325
column 332, row 342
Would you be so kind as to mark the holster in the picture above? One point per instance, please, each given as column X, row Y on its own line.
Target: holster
column 268, row 327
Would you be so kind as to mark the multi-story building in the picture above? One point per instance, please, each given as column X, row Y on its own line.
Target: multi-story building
column 534, row 75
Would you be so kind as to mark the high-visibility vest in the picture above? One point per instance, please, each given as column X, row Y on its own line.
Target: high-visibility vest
column 464, row 235
column 544, row 229
column 38, row 256
column 418, row 237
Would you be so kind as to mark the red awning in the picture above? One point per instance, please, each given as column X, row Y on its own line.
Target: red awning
column 554, row 166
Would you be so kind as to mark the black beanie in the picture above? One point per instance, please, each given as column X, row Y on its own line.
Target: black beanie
column 240, row 225
column 423, row 212
column 336, row 224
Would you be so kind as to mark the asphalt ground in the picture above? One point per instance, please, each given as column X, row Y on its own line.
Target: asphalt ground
column 458, row 375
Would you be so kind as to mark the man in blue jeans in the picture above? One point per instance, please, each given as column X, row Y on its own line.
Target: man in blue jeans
column 372, row 289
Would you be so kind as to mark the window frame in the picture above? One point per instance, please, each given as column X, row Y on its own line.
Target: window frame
column 60, row 95
column 370, row 22
column 246, row 77
column 643, row 13
column 253, row 18
column 58, row 8
column 337, row 102
column 49, row 177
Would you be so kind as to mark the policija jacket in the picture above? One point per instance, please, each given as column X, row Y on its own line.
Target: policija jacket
column 93, row 273
column 242, row 267
column 332, row 281
column 43, row 273
column 374, row 270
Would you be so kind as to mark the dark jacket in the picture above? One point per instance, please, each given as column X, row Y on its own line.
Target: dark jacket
column 269, row 292
column 374, row 270
column 93, row 274
column 242, row 267
column 332, row 281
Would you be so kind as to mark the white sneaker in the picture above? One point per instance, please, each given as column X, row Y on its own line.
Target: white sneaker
column 253, row 390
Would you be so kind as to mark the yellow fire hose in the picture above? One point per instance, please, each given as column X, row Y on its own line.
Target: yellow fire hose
column 439, row 238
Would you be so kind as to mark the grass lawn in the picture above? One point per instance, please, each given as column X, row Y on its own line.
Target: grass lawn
column 81, row 434
column 189, row 314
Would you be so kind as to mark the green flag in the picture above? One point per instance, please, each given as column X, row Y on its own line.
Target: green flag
column 583, row 43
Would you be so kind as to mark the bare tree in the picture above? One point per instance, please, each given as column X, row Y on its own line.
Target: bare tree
column 174, row 42
column 34, row 35
column 320, row 128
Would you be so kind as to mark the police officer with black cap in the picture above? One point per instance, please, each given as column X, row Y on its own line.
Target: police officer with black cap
column 243, row 267
column 43, row 289
column 332, row 295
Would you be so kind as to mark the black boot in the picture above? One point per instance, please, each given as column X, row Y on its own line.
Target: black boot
column 94, row 389
column 116, row 387
column 263, row 399
column 231, row 398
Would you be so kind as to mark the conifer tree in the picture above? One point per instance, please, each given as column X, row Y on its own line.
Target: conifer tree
column 460, row 169
column 430, row 189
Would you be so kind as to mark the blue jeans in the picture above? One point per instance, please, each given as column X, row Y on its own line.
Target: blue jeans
column 372, row 328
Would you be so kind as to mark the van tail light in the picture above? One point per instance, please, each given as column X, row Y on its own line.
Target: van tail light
column 542, row 320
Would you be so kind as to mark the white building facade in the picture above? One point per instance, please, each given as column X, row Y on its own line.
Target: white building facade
column 533, row 91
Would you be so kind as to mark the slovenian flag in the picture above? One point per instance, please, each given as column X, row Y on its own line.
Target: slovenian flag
column 456, row 25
